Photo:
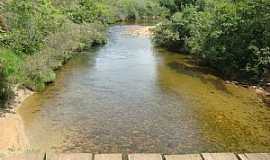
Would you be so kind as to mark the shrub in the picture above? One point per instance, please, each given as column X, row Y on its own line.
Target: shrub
column 58, row 48
column 108, row 12
column 139, row 9
column 12, row 65
column 165, row 35
column 5, row 91
column 174, row 33
column 90, row 11
column 228, row 35
column 40, row 39
column 30, row 22
column 176, row 5
column 238, row 39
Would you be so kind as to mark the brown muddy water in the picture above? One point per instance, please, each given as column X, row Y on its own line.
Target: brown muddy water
column 128, row 96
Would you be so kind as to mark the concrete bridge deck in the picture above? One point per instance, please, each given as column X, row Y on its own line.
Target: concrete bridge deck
column 89, row 156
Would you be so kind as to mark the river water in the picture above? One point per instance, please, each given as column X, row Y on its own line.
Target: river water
column 128, row 96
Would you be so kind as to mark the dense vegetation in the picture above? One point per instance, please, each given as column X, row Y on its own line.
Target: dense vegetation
column 231, row 36
column 109, row 12
column 39, row 36
column 5, row 90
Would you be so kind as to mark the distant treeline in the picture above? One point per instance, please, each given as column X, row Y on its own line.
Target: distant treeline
column 232, row 36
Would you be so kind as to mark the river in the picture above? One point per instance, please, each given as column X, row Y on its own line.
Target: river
column 129, row 96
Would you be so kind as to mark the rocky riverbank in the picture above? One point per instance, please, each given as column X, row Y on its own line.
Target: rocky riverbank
column 262, row 91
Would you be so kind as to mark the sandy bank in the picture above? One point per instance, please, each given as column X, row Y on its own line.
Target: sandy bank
column 140, row 31
column 12, row 134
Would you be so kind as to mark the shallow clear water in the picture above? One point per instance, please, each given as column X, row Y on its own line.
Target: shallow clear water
column 128, row 96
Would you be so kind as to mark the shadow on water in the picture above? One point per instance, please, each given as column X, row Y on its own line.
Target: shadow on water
column 130, row 97
column 199, row 72
column 229, row 115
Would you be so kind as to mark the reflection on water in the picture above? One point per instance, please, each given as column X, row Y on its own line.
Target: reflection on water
column 129, row 97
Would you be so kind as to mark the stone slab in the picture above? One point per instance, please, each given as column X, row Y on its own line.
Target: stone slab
column 184, row 157
column 27, row 156
column 254, row 156
column 219, row 156
column 69, row 156
column 108, row 157
column 148, row 156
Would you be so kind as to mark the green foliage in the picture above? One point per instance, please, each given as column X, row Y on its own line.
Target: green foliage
column 5, row 91
column 165, row 35
column 12, row 66
column 228, row 35
column 176, row 5
column 138, row 9
column 41, row 39
column 3, row 94
column 238, row 39
column 89, row 11
column 108, row 12
column 30, row 22
column 174, row 33
column 59, row 47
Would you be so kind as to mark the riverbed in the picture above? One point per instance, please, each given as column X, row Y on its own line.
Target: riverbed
column 129, row 96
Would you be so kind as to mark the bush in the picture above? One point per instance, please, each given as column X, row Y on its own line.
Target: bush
column 30, row 22
column 139, row 9
column 165, row 35
column 229, row 36
column 12, row 65
column 40, row 40
column 90, row 11
column 173, row 34
column 176, row 5
column 58, row 48
column 238, row 39
column 5, row 91
column 108, row 12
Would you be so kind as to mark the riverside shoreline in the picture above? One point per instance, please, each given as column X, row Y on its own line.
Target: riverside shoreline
column 12, row 136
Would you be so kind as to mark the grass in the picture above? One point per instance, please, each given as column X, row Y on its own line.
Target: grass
column 12, row 65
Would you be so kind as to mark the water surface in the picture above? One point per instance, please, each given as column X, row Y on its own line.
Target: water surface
column 128, row 96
